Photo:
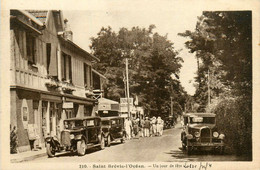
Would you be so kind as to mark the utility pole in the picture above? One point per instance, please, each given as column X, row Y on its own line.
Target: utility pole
column 127, row 87
column 171, row 107
column 208, row 89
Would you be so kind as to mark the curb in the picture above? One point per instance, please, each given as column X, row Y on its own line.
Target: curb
column 29, row 158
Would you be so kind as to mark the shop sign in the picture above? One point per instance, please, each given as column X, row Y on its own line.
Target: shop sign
column 67, row 105
column 104, row 106
column 124, row 101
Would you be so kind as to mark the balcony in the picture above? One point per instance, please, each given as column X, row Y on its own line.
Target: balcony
column 52, row 83
column 67, row 87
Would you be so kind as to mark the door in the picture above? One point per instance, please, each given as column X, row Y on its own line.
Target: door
column 44, row 125
column 91, row 131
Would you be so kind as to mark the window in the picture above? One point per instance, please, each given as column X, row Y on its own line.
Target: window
column 66, row 67
column 48, row 52
column 30, row 48
column 90, row 123
column 87, row 75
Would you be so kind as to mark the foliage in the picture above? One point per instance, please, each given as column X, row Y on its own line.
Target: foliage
column 234, row 120
column 13, row 140
column 222, row 43
column 152, row 62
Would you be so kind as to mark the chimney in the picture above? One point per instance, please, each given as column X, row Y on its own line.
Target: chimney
column 67, row 33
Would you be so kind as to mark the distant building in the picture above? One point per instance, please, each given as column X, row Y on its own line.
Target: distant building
column 51, row 77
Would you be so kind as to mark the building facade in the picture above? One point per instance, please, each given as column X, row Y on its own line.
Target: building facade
column 51, row 76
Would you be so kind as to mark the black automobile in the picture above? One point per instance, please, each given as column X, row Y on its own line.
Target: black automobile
column 79, row 134
column 113, row 129
column 200, row 133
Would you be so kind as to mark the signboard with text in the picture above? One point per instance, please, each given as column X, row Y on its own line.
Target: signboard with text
column 67, row 105
column 124, row 101
column 104, row 106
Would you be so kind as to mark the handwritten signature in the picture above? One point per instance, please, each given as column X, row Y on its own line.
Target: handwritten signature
column 204, row 166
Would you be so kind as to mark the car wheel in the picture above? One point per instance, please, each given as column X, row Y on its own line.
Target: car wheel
column 222, row 150
column 189, row 150
column 123, row 139
column 50, row 150
column 108, row 141
column 102, row 143
column 81, row 147
column 183, row 146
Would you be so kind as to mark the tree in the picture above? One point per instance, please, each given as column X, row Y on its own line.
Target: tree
column 222, row 43
column 152, row 62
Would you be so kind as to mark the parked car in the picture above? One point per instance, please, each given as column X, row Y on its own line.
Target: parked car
column 113, row 129
column 200, row 133
column 79, row 134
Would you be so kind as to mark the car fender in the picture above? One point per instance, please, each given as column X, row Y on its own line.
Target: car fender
column 48, row 139
column 106, row 134
column 80, row 136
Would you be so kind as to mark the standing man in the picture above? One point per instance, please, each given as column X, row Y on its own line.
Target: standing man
column 154, row 125
column 128, row 127
column 159, row 126
column 146, row 127
column 142, row 127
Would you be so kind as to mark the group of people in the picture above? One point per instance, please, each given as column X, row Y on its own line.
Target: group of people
column 143, row 127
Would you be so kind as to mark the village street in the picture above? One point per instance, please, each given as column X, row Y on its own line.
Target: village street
column 153, row 149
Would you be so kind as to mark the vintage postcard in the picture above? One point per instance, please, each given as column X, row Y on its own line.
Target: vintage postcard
column 130, row 84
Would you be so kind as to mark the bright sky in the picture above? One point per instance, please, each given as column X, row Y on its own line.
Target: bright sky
column 86, row 24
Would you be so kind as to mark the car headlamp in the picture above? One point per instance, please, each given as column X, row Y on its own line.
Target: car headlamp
column 221, row 136
column 215, row 134
column 197, row 134
column 189, row 136
column 72, row 136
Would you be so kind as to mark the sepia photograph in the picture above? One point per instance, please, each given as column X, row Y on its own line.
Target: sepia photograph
column 130, row 88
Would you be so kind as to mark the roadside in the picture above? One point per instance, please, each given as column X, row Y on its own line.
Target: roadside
column 27, row 156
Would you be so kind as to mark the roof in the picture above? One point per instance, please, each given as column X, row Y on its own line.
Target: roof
column 100, row 75
column 39, row 14
column 107, row 101
column 200, row 114
column 77, row 47
column 112, row 117
column 32, row 17
column 82, row 118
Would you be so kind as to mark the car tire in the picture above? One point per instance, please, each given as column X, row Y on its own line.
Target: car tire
column 102, row 143
column 189, row 150
column 222, row 150
column 50, row 150
column 108, row 141
column 81, row 147
column 123, row 139
column 183, row 146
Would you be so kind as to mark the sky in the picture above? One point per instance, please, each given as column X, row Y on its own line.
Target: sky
column 87, row 23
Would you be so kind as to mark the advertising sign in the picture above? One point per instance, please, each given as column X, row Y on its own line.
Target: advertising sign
column 124, row 101
column 67, row 105
column 104, row 106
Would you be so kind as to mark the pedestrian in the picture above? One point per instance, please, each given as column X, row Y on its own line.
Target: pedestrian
column 136, row 127
column 159, row 126
column 154, row 126
column 142, row 121
column 146, row 127
column 128, row 127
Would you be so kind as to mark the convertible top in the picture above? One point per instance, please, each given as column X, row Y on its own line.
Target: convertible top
column 199, row 114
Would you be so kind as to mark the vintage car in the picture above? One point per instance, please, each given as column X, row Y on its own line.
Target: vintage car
column 78, row 135
column 200, row 133
column 113, row 129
